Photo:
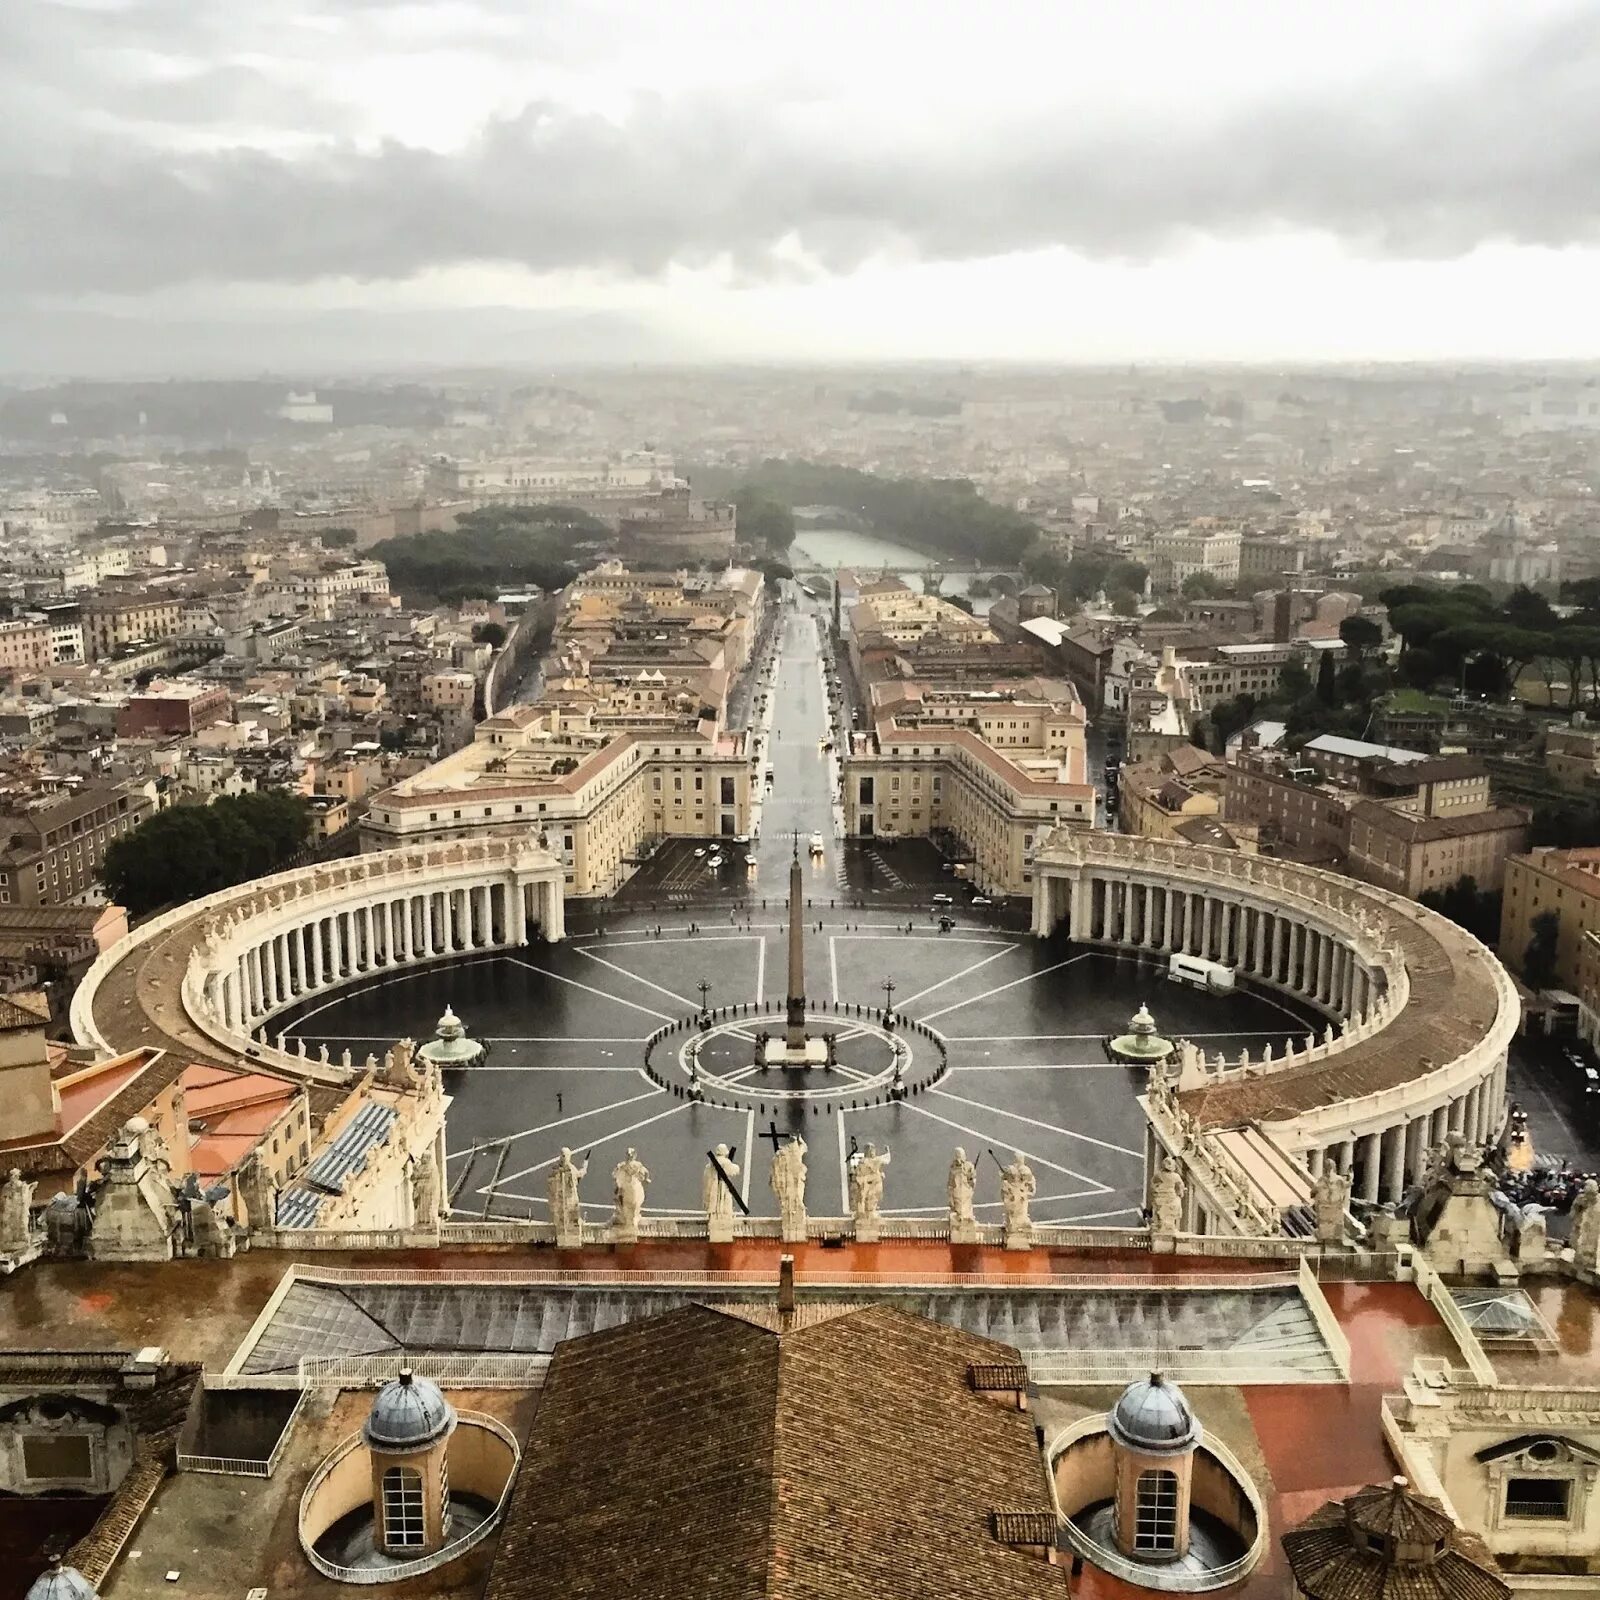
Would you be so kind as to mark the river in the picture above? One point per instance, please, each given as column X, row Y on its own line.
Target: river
column 832, row 548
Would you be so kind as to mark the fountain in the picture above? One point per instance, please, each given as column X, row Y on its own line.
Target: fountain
column 451, row 1049
column 1141, row 1044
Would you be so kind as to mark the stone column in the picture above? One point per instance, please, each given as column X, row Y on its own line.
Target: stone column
column 1346, row 1161
column 486, row 929
column 1416, row 1146
column 517, row 907
column 1372, row 1160
column 1276, row 971
column 1314, row 1159
column 558, row 913
column 1167, row 917
column 1438, row 1125
column 1325, row 976
column 1394, row 1162
column 1458, row 1114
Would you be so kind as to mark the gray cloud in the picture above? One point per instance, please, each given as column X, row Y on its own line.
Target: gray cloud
column 1505, row 148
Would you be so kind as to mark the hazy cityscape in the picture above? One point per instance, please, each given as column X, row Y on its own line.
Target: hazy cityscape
column 799, row 803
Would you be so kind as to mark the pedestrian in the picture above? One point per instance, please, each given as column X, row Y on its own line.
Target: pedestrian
column 558, row 1102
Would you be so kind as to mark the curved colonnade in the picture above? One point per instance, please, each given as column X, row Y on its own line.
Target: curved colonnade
column 1420, row 1013
column 208, row 977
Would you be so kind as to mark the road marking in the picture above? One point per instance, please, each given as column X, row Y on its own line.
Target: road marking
column 603, row 1138
column 964, row 972
column 833, row 965
column 844, row 1169
column 590, row 988
column 988, row 1139
column 1098, row 1216
column 761, row 971
column 1033, row 1122
column 659, row 989
column 1043, row 972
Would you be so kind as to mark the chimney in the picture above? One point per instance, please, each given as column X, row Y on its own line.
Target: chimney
column 786, row 1287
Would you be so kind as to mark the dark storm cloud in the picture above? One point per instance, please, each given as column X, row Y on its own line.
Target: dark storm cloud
column 1506, row 149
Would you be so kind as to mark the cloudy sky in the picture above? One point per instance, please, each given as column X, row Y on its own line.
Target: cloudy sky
column 1192, row 179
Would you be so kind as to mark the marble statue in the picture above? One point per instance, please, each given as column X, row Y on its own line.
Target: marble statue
column 628, row 1179
column 425, row 1206
column 1584, row 1231
column 958, row 1189
column 16, row 1198
column 1533, row 1237
column 1166, row 1198
column 788, row 1182
column 1330, row 1199
column 715, row 1197
column 866, row 1192
column 1017, row 1187
column 565, row 1211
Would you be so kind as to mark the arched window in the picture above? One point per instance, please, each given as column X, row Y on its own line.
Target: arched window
column 403, row 1525
column 1155, row 1511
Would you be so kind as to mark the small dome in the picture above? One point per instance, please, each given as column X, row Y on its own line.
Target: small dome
column 409, row 1413
column 1154, row 1417
column 61, row 1583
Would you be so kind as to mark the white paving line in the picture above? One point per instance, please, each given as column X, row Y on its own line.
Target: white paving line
column 1033, row 1122
column 613, row 1133
column 749, row 1153
column 989, row 1139
column 565, row 1121
column 964, row 972
column 844, row 1168
column 590, row 989
column 833, row 964
column 987, row 994
column 671, row 994
column 761, row 971
column 1046, row 1066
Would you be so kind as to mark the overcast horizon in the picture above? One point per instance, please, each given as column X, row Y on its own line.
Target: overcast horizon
column 232, row 187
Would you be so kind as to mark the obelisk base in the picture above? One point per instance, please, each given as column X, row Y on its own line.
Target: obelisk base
column 780, row 1053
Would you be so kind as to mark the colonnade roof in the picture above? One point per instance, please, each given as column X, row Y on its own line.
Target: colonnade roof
column 1453, row 1006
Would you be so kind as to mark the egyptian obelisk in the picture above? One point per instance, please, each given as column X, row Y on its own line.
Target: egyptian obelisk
column 795, row 1033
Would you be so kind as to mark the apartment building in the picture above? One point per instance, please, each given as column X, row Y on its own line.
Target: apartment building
column 24, row 647
column 51, row 850
column 1566, row 882
column 113, row 622
column 1203, row 547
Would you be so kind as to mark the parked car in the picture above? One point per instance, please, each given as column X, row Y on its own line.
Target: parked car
column 982, row 900
column 816, row 844
column 944, row 899
column 699, row 851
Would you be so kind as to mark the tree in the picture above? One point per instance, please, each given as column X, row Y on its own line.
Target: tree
column 1327, row 685
column 1203, row 586
column 1229, row 717
column 188, row 850
column 489, row 633
column 1125, row 603
column 1539, row 959
column 1360, row 634
column 1294, row 682
column 337, row 538
column 763, row 520
column 1464, row 903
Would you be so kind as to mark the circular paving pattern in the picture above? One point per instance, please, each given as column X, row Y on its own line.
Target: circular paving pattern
column 570, row 1060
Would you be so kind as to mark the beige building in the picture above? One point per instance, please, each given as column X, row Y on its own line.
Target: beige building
column 1566, row 882
column 1203, row 547
column 1159, row 798
column 111, row 623
column 996, row 769
column 596, row 797
column 1413, row 854
column 25, row 646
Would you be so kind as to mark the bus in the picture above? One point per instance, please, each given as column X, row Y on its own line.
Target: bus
column 1202, row 974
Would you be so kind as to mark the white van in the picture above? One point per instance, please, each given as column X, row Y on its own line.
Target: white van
column 1202, row 974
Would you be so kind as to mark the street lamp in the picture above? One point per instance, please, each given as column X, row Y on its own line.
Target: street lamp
column 888, row 1001
column 705, row 989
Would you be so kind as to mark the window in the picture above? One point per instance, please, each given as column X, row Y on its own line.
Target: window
column 1546, row 1499
column 1155, row 1526
column 402, row 1509
column 57, row 1456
